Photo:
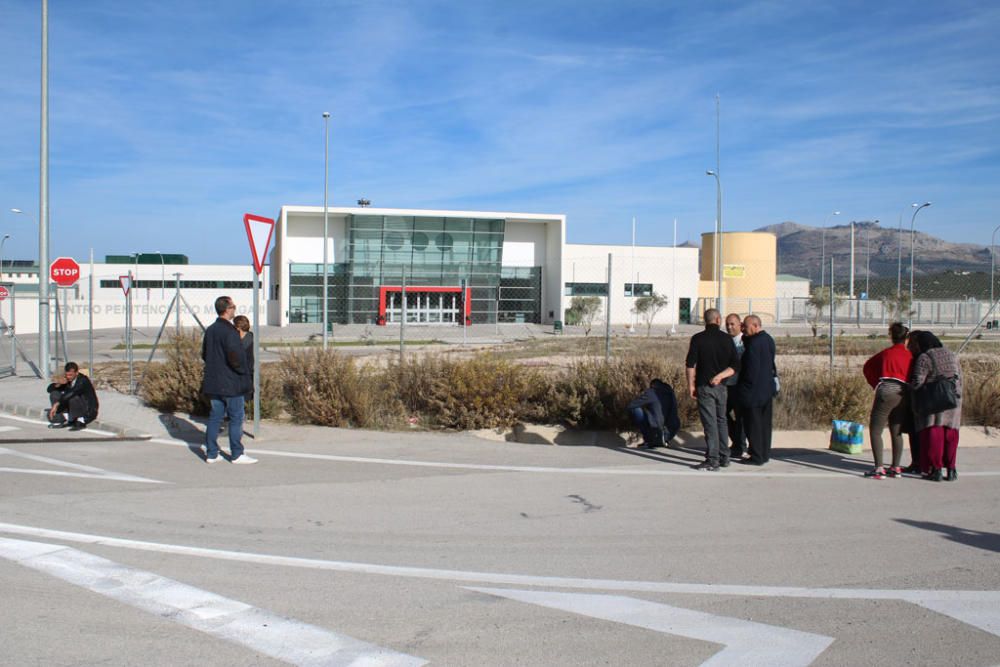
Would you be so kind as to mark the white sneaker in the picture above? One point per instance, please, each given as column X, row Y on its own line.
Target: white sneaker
column 244, row 459
column 213, row 459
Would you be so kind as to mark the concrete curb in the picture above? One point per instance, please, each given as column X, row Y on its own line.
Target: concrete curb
column 35, row 412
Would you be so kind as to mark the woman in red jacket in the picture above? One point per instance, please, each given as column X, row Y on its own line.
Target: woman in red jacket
column 888, row 373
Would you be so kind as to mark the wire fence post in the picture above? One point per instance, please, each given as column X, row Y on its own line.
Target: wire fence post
column 833, row 305
column 402, row 320
column 607, row 320
column 177, row 298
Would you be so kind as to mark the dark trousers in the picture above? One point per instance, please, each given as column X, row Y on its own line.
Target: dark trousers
column 77, row 408
column 734, row 419
column 938, row 448
column 651, row 435
column 757, row 422
column 712, row 410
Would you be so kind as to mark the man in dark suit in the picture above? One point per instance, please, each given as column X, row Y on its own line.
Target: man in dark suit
column 654, row 413
column 74, row 402
column 756, row 388
column 226, row 382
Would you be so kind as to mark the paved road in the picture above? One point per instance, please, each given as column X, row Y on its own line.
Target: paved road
column 401, row 549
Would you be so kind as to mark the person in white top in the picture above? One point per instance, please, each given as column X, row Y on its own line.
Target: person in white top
column 734, row 414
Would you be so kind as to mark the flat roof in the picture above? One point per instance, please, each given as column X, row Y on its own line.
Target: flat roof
column 435, row 213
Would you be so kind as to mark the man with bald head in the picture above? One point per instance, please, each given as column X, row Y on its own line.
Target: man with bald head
column 756, row 387
column 712, row 358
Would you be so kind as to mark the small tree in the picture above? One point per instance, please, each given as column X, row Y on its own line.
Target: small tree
column 819, row 300
column 897, row 306
column 582, row 310
column 647, row 307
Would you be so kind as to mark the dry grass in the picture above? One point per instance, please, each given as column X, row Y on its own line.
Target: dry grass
column 574, row 386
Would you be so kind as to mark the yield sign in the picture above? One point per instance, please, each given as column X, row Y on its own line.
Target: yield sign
column 259, row 232
column 126, row 283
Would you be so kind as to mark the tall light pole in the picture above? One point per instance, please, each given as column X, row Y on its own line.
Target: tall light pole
column 718, row 205
column 822, row 263
column 44, row 362
column 163, row 275
column 2, row 241
column 899, row 253
column 993, row 254
column 326, row 218
column 868, row 262
column 912, row 219
column 851, row 288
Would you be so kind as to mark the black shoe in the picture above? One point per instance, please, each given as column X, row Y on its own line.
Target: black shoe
column 913, row 469
column 723, row 463
column 750, row 462
column 706, row 465
column 935, row 475
column 952, row 475
column 77, row 426
column 61, row 425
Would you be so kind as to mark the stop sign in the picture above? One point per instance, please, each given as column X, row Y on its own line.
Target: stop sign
column 3, row 293
column 64, row 271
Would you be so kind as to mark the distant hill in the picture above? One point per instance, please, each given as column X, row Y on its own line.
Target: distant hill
column 800, row 251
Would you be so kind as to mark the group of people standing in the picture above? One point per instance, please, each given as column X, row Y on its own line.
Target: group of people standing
column 732, row 376
column 914, row 361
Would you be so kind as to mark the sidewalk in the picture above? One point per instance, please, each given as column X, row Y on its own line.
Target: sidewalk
column 130, row 418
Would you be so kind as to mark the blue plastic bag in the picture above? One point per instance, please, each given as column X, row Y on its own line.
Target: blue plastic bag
column 847, row 437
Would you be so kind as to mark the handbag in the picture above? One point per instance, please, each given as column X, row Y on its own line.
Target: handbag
column 847, row 437
column 936, row 395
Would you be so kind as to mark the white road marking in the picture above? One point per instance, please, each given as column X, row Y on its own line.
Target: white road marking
column 7, row 429
column 88, row 472
column 742, row 474
column 746, row 642
column 38, row 422
column 237, row 622
column 916, row 596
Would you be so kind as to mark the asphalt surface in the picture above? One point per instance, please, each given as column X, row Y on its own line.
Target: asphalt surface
column 345, row 547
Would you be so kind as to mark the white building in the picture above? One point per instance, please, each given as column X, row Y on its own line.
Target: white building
column 458, row 266
column 154, row 288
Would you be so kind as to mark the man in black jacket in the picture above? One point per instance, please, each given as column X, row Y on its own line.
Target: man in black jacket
column 74, row 402
column 226, row 381
column 712, row 358
column 756, row 388
column 654, row 413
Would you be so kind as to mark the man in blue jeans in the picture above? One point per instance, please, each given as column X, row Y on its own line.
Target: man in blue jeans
column 654, row 413
column 226, row 381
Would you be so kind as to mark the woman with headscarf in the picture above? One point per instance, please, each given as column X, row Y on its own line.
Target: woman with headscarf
column 888, row 372
column 938, row 430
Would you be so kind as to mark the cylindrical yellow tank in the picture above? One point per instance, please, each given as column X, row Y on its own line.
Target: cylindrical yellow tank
column 749, row 271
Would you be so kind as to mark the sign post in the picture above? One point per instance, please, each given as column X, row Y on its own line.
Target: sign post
column 259, row 232
column 64, row 272
column 126, row 283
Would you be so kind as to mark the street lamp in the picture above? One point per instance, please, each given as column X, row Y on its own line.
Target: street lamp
column 822, row 262
column 993, row 253
column 163, row 268
column 899, row 253
column 912, row 219
column 718, row 237
column 868, row 261
column 326, row 216
column 2, row 241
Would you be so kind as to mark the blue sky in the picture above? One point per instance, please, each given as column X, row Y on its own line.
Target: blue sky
column 168, row 121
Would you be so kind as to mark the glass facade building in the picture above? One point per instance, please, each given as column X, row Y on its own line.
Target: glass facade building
column 451, row 268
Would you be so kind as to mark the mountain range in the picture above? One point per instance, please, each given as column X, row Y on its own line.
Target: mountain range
column 800, row 251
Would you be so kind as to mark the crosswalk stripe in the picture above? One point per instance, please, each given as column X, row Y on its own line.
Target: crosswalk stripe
column 746, row 642
column 75, row 469
column 5, row 429
column 237, row 622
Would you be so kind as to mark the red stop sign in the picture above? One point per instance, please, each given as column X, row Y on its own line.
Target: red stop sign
column 3, row 293
column 64, row 271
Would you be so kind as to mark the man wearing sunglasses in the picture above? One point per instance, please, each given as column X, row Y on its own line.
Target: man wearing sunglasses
column 227, row 380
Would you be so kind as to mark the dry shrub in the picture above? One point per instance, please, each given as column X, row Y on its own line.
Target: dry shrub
column 811, row 398
column 480, row 392
column 594, row 394
column 326, row 388
column 175, row 384
column 272, row 399
column 981, row 392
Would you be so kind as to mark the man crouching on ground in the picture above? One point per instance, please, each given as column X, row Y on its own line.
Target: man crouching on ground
column 74, row 402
